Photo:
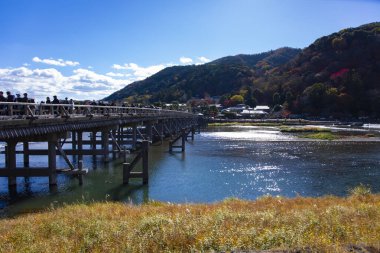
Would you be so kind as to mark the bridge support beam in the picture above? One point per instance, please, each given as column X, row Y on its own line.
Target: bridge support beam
column 26, row 153
column 105, row 144
column 143, row 155
column 93, row 142
column 73, row 140
column 52, row 159
column 134, row 136
column 145, row 160
column 161, row 131
column 148, row 131
column 183, row 137
column 11, row 161
column 80, row 145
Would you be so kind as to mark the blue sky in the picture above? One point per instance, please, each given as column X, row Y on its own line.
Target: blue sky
column 88, row 49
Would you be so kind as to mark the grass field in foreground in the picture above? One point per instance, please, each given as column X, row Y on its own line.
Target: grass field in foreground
column 327, row 224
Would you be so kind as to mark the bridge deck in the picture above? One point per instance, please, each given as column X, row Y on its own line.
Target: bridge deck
column 20, row 120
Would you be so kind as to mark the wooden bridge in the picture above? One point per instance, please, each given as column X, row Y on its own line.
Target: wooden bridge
column 123, row 129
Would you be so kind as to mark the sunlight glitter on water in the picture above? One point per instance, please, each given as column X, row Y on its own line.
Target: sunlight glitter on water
column 250, row 169
column 253, row 135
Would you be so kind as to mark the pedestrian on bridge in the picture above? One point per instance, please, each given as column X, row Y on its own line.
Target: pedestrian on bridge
column 25, row 98
column 2, row 98
column 10, row 97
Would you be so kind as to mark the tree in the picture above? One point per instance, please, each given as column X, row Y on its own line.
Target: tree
column 314, row 97
column 258, row 95
column 276, row 98
column 249, row 98
column 237, row 99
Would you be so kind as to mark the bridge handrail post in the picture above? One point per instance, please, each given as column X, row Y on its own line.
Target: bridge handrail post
column 10, row 110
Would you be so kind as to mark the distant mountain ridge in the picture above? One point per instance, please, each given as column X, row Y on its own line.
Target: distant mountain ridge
column 218, row 77
column 338, row 75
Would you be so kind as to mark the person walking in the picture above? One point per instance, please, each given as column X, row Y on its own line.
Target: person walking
column 55, row 100
column 25, row 98
column 10, row 97
column 2, row 98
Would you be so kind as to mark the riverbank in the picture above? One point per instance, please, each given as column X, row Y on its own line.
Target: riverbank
column 327, row 224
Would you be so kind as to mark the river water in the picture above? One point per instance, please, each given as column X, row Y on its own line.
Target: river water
column 243, row 162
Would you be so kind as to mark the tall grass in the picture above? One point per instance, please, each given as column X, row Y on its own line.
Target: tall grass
column 269, row 124
column 328, row 224
column 287, row 129
column 321, row 136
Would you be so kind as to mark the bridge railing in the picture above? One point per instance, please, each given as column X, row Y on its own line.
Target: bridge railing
column 34, row 110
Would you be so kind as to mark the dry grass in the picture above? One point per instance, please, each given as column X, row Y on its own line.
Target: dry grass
column 327, row 224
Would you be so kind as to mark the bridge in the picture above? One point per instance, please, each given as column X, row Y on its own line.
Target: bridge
column 110, row 130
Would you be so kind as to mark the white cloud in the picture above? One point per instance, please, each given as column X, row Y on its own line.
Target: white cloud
column 185, row 60
column 203, row 59
column 81, row 84
column 139, row 72
column 39, row 83
column 113, row 74
column 59, row 62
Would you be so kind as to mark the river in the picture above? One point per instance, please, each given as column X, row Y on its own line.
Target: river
column 243, row 162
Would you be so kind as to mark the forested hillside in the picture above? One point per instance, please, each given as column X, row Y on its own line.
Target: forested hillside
column 223, row 76
column 338, row 75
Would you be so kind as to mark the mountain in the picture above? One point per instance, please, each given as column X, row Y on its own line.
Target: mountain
column 337, row 75
column 225, row 75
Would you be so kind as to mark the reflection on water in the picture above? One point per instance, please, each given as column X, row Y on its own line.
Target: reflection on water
column 244, row 162
column 250, row 133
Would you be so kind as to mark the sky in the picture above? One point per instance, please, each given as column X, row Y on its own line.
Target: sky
column 88, row 49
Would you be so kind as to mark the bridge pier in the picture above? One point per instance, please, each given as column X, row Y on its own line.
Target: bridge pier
column 93, row 142
column 52, row 159
column 183, row 137
column 105, row 144
column 143, row 156
column 26, row 154
column 148, row 131
column 74, row 140
column 11, row 162
column 134, row 136
column 80, row 145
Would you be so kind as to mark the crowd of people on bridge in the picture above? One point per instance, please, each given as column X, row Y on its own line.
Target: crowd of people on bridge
column 12, row 98
column 21, row 109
